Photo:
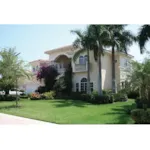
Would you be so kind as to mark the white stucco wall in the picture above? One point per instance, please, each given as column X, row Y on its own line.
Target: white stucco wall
column 106, row 68
column 30, row 85
column 106, row 72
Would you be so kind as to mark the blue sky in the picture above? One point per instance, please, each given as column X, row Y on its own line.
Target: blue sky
column 33, row 40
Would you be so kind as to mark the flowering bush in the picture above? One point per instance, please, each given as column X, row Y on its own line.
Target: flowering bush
column 35, row 96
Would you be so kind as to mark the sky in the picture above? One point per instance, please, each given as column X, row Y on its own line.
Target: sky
column 33, row 40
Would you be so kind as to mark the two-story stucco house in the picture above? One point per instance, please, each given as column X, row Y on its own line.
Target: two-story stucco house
column 61, row 57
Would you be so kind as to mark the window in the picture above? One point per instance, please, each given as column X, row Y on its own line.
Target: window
column 85, row 59
column 83, row 85
column 91, row 85
column 81, row 60
column 77, row 87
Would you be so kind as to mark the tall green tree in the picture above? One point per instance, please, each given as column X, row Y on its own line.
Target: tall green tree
column 140, row 78
column 12, row 68
column 143, row 37
column 119, row 40
column 99, row 35
column 83, row 43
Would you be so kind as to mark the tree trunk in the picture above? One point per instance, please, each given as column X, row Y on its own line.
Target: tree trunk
column 6, row 92
column 114, row 89
column 88, row 73
column 99, row 74
column 16, row 94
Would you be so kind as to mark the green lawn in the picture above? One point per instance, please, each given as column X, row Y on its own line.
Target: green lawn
column 70, row 112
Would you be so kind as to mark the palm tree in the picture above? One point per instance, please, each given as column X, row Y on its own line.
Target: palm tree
column 140, row 78
column 83, row 43
column 143, row 36
column 98, row 35
column 119, row 39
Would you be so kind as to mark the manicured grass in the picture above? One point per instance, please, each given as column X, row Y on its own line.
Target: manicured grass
column 69, row 111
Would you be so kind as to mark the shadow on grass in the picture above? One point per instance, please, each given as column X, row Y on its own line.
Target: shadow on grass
column 68, row 103
column 123, row 113
column 9, row 107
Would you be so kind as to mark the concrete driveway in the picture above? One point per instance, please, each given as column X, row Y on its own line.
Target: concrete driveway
column 10, row 120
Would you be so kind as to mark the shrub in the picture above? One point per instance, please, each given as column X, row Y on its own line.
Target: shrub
column 76, row 95
column 35, row 96
column 24, row 96
column 141, row 103
column 128, row 109
column 29, row 95
column 120, row 97
column 141, row 116
column 133, row 94
column 93, row 98
column 49, row 95
column 8, row 98
column 104, row 99
column 86, row 97
column 2, row 98
column 106, row 92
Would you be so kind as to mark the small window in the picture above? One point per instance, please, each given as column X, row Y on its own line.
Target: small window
column 77, row 87
column 91, row 85
column 85, row 59
column 81, row 60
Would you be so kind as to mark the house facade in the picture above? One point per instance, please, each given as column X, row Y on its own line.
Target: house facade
column 61, row 57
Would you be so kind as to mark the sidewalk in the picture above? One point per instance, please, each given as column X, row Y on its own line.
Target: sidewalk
column 6, row 119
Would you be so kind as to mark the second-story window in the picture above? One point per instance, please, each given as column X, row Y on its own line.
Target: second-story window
column 85, row 59
column 81, row 60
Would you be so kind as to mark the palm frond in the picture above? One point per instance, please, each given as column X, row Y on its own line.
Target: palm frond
column 143, row 37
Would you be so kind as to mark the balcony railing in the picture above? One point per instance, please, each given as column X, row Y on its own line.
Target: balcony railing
column 80, row 67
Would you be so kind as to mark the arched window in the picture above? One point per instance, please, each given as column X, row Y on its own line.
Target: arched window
column 83, row 85
column 81, row 60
